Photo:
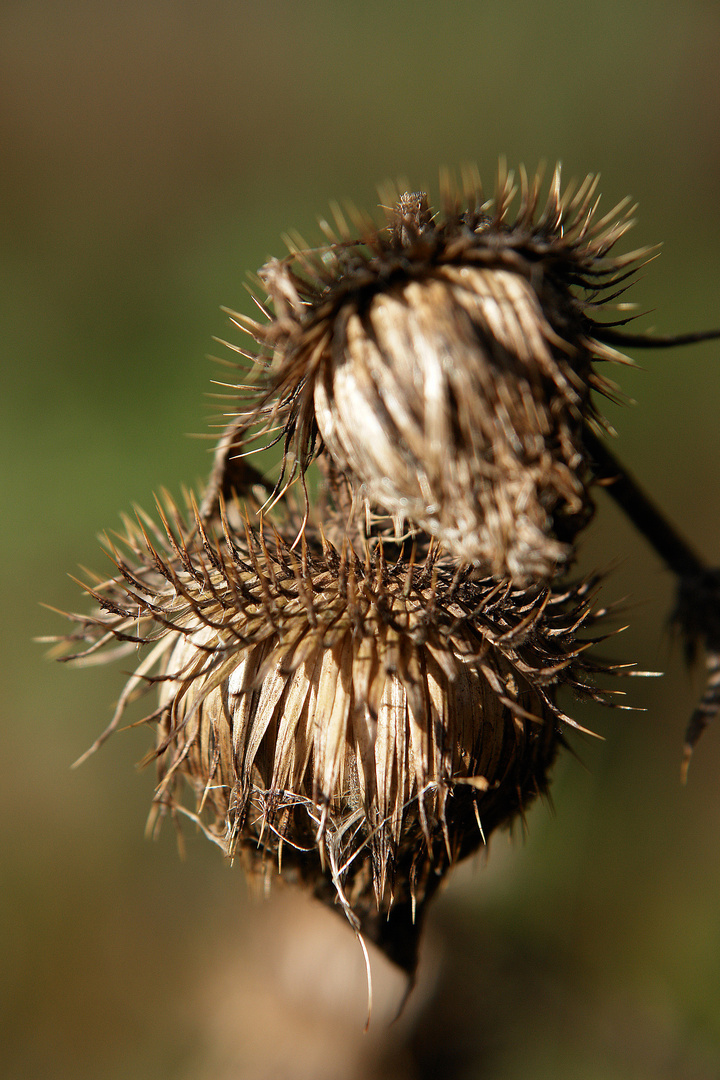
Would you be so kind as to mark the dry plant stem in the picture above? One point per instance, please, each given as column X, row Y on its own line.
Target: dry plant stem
column 644, row 514
column 698, row 605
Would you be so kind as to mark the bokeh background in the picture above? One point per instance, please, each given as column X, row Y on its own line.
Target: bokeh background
column 152, row 153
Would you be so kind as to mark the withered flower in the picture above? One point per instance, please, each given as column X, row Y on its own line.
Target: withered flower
column 355, row 725
column 354, row 708
column 446, row 365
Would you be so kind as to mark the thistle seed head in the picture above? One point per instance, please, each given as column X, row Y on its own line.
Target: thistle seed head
column 342, row 705
column 445, row 364
column 343, row 722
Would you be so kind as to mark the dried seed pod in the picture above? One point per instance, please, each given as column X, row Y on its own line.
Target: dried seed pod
column 446, row 365
column 352, row 725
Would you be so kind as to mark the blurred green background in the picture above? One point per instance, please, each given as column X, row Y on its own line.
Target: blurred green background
column 152, row 154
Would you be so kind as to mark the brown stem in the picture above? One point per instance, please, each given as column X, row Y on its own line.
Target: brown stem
column 644, row 514
column 698, row 604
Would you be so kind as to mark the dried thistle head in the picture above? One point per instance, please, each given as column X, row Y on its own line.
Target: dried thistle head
column 346, row 708
column 350, row 724
column 445, row 364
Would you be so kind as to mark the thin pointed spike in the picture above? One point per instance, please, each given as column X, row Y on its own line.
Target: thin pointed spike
column 658, row 341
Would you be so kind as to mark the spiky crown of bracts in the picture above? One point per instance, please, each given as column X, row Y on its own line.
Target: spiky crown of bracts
column 352, row 708
column 560, row 247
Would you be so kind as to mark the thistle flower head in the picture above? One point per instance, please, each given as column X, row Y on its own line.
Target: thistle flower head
column 445, row 364
column 355, row 725
column 341, row 704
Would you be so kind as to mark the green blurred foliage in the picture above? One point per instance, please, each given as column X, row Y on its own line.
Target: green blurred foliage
column 153, row 154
